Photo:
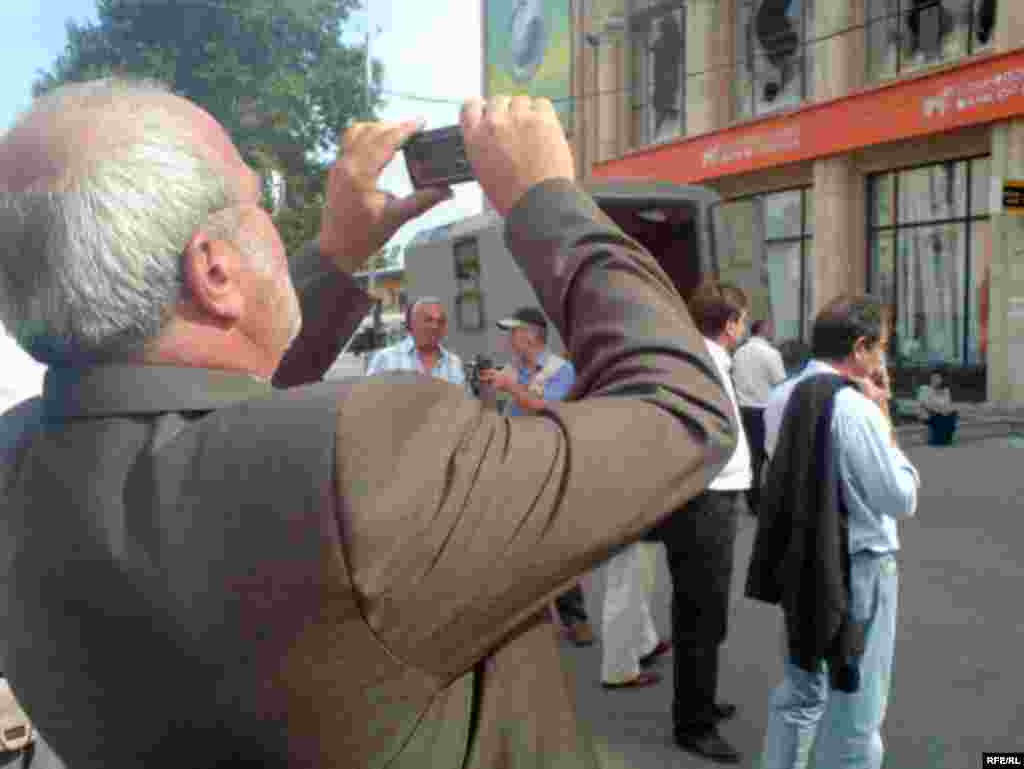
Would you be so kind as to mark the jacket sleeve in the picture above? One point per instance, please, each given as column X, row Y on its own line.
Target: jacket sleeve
column 333, row 305
column 459, row 524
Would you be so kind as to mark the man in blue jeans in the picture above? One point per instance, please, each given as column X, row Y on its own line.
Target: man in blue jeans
column 877, row 486
column 539, row 377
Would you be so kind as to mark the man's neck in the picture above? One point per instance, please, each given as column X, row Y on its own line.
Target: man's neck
column 429, row 351
column 195, row 346
column 843, row 367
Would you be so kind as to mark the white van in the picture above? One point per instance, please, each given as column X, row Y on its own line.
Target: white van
column 686, row 228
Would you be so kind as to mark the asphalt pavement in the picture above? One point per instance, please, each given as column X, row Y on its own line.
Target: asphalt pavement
column 958, row 682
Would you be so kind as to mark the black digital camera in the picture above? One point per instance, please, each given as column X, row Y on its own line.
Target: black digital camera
column 437, row 158
column 475, row 366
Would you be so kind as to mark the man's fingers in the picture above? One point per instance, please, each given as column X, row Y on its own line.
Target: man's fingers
column 496, row 108
column 520, row 104
column 383, row 143
column 418, row 203
column 351, row 135
column 396, row 134
column 472, row 113
column 373, row 145
column 544, row 106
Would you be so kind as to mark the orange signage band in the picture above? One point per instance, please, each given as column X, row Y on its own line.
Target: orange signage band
column 977, row 92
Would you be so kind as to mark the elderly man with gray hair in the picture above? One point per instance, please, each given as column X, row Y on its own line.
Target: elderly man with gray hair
column 422, row 351
column 209, row 556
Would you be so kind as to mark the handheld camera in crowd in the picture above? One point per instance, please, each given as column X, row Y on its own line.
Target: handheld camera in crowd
column 476, row 365
column 437, row 158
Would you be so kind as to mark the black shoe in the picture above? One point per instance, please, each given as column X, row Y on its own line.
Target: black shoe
column 710, row 745
column 723, row 710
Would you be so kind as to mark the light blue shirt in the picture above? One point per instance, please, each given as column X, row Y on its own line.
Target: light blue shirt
column 403, row 357
column 878, row 483
column 557, row 387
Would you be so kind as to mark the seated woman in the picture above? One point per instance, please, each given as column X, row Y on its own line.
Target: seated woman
column 936, row 410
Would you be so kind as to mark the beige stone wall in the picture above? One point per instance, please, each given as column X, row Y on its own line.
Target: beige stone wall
column 968, row 142
column 709, row 59
column 839, row 52
column 770, row 180
column 838, row 262
column 1006, row 299
column 839, row 256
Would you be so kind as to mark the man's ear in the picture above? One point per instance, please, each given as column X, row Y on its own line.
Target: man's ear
column 861, row 346
column 213, row 271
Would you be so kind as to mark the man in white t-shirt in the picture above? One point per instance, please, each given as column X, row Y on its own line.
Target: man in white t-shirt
column 757, row 367
column 699, row 541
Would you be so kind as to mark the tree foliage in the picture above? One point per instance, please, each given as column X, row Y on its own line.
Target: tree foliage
column 274, row 73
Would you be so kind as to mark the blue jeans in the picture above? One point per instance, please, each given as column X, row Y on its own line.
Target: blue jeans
column 847, row 726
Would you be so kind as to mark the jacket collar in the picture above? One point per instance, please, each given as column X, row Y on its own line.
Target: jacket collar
column 119, row 389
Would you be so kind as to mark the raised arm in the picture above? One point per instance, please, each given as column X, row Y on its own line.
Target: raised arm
column 459, row 524
column 358, row 219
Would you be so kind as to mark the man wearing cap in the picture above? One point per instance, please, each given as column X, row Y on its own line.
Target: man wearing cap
column 540, row 376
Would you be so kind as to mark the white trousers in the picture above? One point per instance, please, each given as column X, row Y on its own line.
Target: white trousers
column 627, row 630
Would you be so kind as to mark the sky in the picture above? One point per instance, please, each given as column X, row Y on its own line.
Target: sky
column 429, row 49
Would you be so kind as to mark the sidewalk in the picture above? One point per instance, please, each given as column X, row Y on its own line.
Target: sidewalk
column 956, row 684
column 990, row 419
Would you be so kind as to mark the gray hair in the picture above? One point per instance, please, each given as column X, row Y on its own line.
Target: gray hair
column 421, row 302
column 90, row 264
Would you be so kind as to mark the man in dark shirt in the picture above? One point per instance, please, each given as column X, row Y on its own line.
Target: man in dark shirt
column 204, row 570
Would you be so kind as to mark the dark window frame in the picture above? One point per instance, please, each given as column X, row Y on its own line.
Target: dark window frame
column 806, row 241
column 974, row 47
column 743, row 58
column 968, row 220
column 638, row 20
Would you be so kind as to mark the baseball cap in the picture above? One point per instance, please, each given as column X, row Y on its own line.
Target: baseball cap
column 524, row 316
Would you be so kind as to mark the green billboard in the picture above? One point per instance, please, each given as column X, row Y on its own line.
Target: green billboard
column 528, row 50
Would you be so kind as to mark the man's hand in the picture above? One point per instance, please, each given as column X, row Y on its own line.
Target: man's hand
column 359, row 218
column 514, row 144
column 499, row 379
column 878, row 389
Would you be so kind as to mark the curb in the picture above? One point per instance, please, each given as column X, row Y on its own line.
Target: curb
column 968, row 430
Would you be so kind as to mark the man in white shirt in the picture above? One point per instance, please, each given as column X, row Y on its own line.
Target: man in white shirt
column 757, row 368
column 699, row 542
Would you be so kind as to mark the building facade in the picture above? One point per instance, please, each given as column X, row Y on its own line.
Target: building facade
column 880, row 136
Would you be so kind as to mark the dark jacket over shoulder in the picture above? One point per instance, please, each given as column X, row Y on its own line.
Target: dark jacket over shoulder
column 209, row 572
column 801, row 557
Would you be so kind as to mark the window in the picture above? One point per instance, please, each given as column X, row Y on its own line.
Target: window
column 774, row 68
column 904, row 34
column 930, row 246
column 658, row 50
column 787, row 244
column 469, row 298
